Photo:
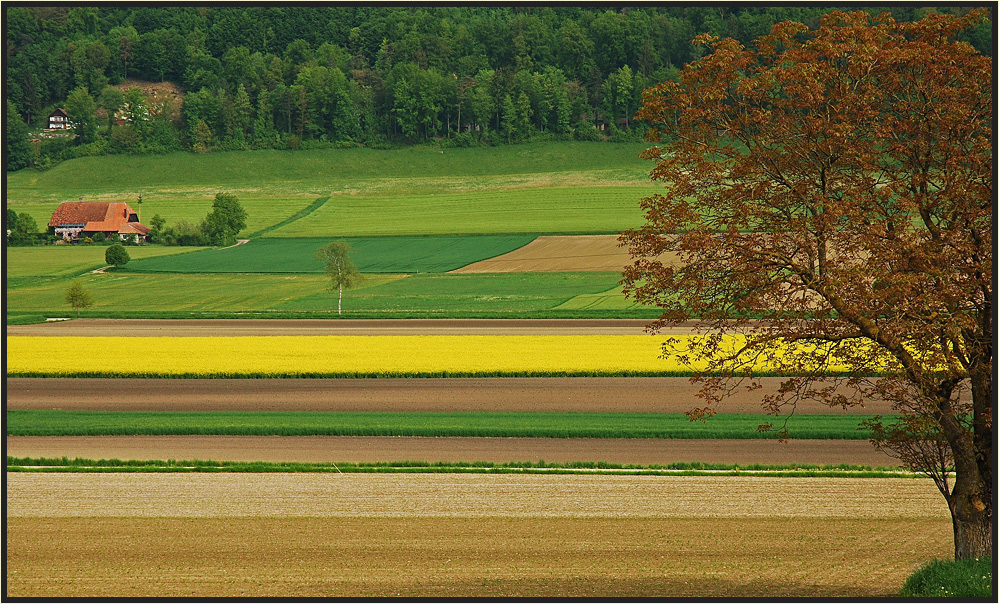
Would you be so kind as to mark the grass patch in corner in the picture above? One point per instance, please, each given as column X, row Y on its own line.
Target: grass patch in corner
column 951, row 579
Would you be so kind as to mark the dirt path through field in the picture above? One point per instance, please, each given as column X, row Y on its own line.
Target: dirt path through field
column 316, row 449
column 321, row 327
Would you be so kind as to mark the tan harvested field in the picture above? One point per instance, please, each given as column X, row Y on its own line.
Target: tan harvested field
column 609, row 394
column 325, row 449
column 558, row 253
column 32, row 494
column 464, row 557
column 466, row 535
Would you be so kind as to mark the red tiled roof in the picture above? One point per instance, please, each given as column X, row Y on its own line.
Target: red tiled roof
column 97, row 216
column 133, row 227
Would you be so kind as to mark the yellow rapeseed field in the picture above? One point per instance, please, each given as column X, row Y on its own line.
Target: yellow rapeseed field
column 337, row 355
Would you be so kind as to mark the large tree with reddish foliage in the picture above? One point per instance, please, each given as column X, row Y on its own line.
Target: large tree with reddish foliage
column 828, row 194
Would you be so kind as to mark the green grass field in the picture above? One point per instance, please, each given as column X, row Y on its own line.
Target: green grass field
column 72, row 260
column 274, row 185
column 411, row 211
column 514, row 295
column 553, row 210
column 612, row 300
column 477, row 424
column 316, row 172
column 370, row 255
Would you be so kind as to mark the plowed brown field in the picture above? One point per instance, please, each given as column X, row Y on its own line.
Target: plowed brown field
column 459, row 535
column 558, row 253
column 324, row 449
column 622, row 395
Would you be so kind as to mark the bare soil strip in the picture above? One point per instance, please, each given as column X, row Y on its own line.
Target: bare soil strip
column 611, row 394
column 321, row 327
column 224, row 495
column 133, row 557
column 558, row 253
column 324, row 449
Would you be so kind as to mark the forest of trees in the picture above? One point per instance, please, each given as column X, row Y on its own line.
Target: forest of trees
column 314, row 76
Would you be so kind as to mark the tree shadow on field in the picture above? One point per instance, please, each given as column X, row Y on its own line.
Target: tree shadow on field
column 611, row 587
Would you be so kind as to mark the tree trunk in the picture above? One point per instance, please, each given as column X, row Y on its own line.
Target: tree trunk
column 339, row 301
column 972, row 528
column 970, row 501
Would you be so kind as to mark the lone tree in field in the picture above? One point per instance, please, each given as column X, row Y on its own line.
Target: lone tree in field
column 225, row 221
column 78, row 297
column 341, row 271
column 828, row 194
column 116, row 255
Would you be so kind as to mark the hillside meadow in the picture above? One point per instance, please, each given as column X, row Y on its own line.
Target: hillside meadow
column 279, row 183
column 410, row 215
column 431, row 254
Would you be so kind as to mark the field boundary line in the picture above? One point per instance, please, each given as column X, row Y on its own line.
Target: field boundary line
column 312, row 207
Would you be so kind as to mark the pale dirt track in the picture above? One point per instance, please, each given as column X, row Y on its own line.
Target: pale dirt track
column 325, row 449
column 322, row 327
column 209, row 495
column 558, row 253
column 610, row 394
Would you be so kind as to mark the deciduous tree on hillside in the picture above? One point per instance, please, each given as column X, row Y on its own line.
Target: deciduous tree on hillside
column 341, row 271
column 80, row 108
column 829, row 194
column 225, row 221
column 78, row 297
column 116, row 255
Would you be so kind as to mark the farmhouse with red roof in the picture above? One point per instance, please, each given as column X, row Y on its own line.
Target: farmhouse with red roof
column 73, row 220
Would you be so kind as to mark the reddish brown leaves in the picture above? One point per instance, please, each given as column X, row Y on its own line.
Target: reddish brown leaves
column 833, row 186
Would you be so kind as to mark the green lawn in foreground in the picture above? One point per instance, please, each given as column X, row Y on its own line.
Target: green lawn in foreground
column 123, row 294
column 371, row 255
column 480, row 424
